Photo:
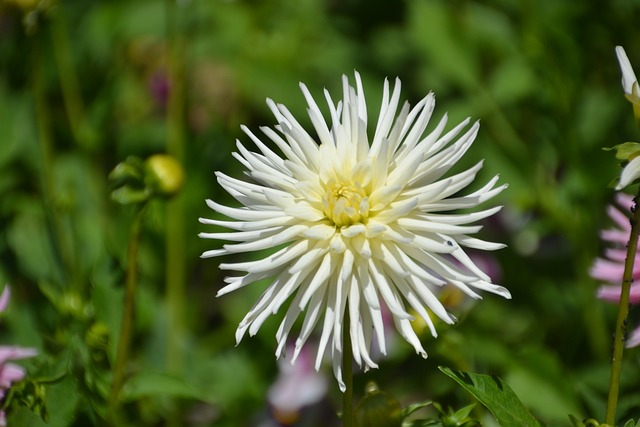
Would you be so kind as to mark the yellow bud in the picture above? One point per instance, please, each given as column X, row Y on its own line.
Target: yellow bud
column 163, row 174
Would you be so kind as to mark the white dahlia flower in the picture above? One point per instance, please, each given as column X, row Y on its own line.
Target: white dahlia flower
column 355, row 222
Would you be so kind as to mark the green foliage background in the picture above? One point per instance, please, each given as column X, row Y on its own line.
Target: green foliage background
column 83, row 86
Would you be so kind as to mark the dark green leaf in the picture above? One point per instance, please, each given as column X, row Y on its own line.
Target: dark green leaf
column 496, row 395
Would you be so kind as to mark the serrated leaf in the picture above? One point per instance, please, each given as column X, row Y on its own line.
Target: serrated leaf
column 496, row 395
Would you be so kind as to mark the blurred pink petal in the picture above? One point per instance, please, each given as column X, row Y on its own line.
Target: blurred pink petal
column 611, row 268
column 9, row 372
column 4, row 298
column 15, row 353
column 611, row 293
column 297, row 386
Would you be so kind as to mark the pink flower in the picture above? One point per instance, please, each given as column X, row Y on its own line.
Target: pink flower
column 297, row 387
column 9, row 372
column 611, row 267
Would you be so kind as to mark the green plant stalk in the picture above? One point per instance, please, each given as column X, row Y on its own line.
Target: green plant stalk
column 68, row 76
column 126, row 327
column 623, row 311
column 59, row 238
column 347, row 372
column 175, row 241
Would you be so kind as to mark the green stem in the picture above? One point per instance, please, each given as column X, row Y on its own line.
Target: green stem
column 127, row 317
column 175, row 242
column 347, row 372
column 64, row 250
column 623, row 311
column 68, row 76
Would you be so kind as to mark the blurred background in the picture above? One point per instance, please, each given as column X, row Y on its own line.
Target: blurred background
column 86, row 84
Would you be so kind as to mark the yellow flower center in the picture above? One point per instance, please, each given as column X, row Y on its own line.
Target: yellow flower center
column 346, row 204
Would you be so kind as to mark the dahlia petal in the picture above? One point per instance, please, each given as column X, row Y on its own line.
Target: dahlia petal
column 387, row 113
column 458, row 219
column 397, row 210
column 324, row 271
column 464, row 259
column 464, row 288
column 248, row 226
column 630, row 173
column 473, row 243
column 634, row 339
column 311, row 319
column 404, row 327
column 214, row 253
column 390, row 297
column 242, row 214
column 425, row 108
column 490, row 287
column 272, row 262
column 436, row 227
column 267, row 242
column 368, row 287
column 447, row 137
column 355, row 327
column 430, row 300
column 629, row 80
column 236, row 283
column 242, row 235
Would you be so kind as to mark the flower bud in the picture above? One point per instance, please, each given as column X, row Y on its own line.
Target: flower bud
column 163, row 174
column 378, row 409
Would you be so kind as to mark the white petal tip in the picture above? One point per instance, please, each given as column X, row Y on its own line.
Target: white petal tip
column 214, row 253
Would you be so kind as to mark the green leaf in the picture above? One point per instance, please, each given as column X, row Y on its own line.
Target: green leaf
column 626, row 150
column 127, row 195
column 496, row 395
column 61, row 400
column 146, row 384
column 461, row 416
column 414, row 407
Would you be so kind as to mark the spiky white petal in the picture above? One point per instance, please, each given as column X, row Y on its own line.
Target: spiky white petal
column 358, row 224
column 629, row 80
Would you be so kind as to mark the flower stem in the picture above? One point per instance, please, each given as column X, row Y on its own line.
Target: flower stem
column 347, row 368
column 60, row 240
column 623, row 311
column 127, row 317
column 68, row 76
column 175, row 241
